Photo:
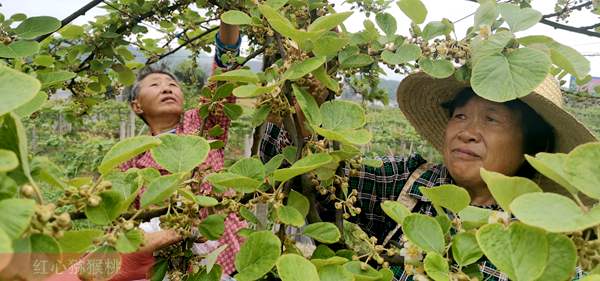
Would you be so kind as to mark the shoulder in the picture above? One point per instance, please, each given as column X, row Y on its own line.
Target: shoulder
column 191, row 121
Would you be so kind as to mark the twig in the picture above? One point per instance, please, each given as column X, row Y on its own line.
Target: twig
column 72, row 17
column 248, row 58
column 567, row 9
column 143, row 216
column 155, row 59
column 570, row 28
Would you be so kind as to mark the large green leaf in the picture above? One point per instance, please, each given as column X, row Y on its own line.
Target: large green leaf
column 506, row 189
column 492, row 45
column 321, row 75
column 395, row 210
column 324, row 232
column 32, row 106
column 425, row 232
column 179, row 154
column 292, row 267
column 520, row 251
column 238, row 75
column 309, row 106
column 53, row 78
column 130, row 241
column 562, row 258
column 387, row 23
column 236, row 18
column 449, row 196
column 8, row 187
column 15, row 215
column 563, row 215
column 563, row 56
column 301, row 68
column 519, row 19
column 486, row 14
column 439, row 68
column 257, row 255
column 126, row 149
column 251, row 90
column 5, row 249
column 108, row 209
column 583, row 170
column 436, row 28
column 8, row 160
column 213, row 226
column 78, row 241
column 436, row 267
column 328, row 22
column 71, row 31
column 35, row 26
column 282, row 24
column 289, row 215
column 249, row 167
column 404, row 53
column 341, row 115
column 329, row 45
column 302, row 166
column 414, row 9
column 160, row 189
column 238, row 182
column 501, row 78
column 465, row 249
column 349, row 136
column 551, row 165
column 14, row 138
column 474, row 217
column 299, row 202
column 356, row 268
column 356, row 61
column 16, row 89
column 19, row 49
column 334, row 273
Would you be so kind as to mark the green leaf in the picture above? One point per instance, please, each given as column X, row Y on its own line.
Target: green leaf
column 387, row 23
column 562, row 258
column 449, row 196
column 329, row 45
column 160, row 189
column 583, row 170
column 292, row 267
column 289, row 215
column 252, row 264
column 370, row 274
column 302, row 166
column 13, row 137
column 324, row 232
column 8, row 160
column 125, row 150
column 341, row 115
column 405, row 53
column 328, row 22
column 108, row 209
column 309, row 106
column 71, row 31
column 8, row 187
column 235, row 17
column 465, row 249
column 348, row 137
column 44, row 60
column 563, row 56
column 5, row 249
column 232, row 110
column 486, row 14
column 334, row 273
column 15, row 215
column 299, row 202
column 32, row 106
column 80, row 241
column 414, row 9
column 125, row 53
column 356, row 61
column 238, row 75
column 301, row 68
column 493, row 45
column 180, row 154
column 238, row 182
column 373, row 163
column 159, row 269
column 129, row 241
column 54, row 78
column 281, row 24
column 276, row 4
column 205, row 201
column 17, row 89
column 501, row 78
column 439, row 68
column 395, row 210
column 321, row 75
column 551, row 165
column 249, row 167
column 506, row 189
column 251, row 90
column 35, row 26
column 211, row 259
column 248, row 215
column 425, row 232
column 260, row 115
column 474, row 217
column 519, row 19
column 274, row 164
column 212, row 227
column 434, row 29
column 564, row 216
column 19, row 49
column 520, row 251
column 126, row 76
column 436, row 267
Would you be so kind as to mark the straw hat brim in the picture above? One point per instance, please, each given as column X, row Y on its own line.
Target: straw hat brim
column 420, row 97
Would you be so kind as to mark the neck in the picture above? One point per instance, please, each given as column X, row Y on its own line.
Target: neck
column 159, row 125
column 480, row 195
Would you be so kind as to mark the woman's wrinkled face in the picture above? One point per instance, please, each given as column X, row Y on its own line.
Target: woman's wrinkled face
column 484, row 134
column 158, row 95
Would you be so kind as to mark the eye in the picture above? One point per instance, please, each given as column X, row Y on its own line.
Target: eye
column 153, row 84
column 173, row 85
column 459, row 116
column 490, row 119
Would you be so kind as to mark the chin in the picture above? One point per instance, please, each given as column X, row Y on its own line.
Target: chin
column 464, row 174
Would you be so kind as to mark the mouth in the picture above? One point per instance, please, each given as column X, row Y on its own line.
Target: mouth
column 168, row 99
column 465, row 153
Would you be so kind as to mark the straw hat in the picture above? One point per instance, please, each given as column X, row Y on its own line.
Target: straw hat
column 420, row 97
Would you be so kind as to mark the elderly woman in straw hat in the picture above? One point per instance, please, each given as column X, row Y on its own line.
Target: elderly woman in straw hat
column 471, row 133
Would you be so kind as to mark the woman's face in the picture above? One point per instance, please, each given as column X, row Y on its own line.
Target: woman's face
column 484, row 134
column 158, row 95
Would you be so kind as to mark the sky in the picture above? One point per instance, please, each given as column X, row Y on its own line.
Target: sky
column 458, row 11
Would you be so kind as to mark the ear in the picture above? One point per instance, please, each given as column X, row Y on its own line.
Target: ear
column 136, row 107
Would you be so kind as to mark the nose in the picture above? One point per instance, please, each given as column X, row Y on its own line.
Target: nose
column 470, row 132
column 166, row 90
